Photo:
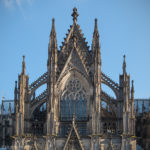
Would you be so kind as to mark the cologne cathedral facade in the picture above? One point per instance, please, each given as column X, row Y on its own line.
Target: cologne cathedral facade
column 74, row 112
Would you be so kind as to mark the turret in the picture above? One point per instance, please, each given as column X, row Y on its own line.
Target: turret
column 23, row 96
column 96, row 46
column 52, row 49
column 23, row 66
column 125, row 98
column 126, row 86
column 52, row 73
column 132, row 100
column 124, row 65
column 132, row 110
column 96, row 106
column 132, row 91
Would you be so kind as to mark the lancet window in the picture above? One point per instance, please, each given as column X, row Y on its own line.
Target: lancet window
column 73, row 101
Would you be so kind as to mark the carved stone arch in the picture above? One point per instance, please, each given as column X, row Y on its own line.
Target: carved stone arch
column 74, row 73
column 116, row 92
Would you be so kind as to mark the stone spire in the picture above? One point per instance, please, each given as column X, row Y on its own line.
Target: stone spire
column 23, row 95
column 132, row 90
column 52, row 75
column 52, row 50
column 97, row 82
column 23, row 66
column 124, row 64
column 75, row 15
column 96, row 33
column 96, row 43
column 53, row 33
column 52, row 44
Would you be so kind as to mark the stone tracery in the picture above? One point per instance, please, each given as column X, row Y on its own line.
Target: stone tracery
column 73, row 101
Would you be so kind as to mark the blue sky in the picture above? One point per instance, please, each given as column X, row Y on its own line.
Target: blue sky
column 124, row 27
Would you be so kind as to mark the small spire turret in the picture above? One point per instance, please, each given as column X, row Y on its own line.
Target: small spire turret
column 132, row 90
column 96, row 29
column 95, row 42
column 52, row 49
column 23, row 65
column 96, row 45
column 53, row 41
column 75, row 15
column 124, row 64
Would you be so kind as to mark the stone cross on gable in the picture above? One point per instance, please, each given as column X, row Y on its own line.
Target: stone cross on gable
column 75, row 15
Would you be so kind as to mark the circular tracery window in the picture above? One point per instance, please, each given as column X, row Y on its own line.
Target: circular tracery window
column 74, row 85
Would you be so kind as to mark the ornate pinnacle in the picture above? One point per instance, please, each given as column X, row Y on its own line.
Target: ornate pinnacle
column 96, row 28
column 23, row 65
column 75, row 15
column 132, row 90
column 124, row 64
column 132, row 86
column 53, row 27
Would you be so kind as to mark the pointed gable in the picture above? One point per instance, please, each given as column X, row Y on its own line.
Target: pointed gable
column 73, row 140
column 73, row 62
column 81, row 47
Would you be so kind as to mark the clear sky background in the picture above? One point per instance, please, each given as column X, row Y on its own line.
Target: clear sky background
column 124, row 27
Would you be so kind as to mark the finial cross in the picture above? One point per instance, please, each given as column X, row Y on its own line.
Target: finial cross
column 75, row 15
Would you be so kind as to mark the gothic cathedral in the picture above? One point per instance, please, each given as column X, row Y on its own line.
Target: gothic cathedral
column 74, row 113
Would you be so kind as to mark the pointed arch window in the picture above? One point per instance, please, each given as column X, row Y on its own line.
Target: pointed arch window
column 73, row 101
